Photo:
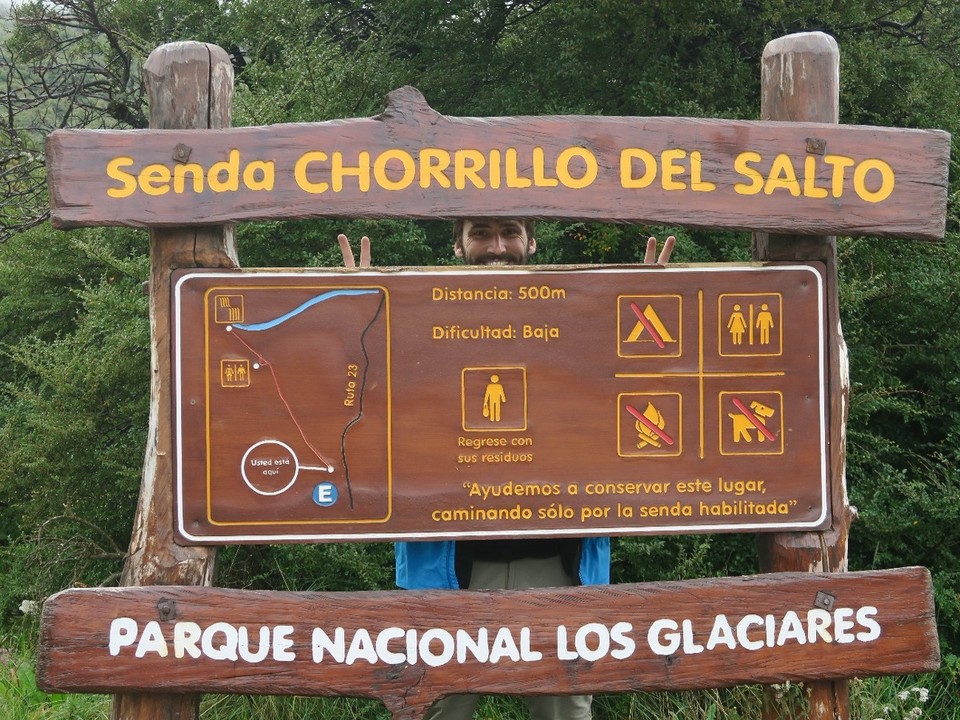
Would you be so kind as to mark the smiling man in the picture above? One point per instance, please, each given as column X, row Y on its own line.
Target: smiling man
column 493, row 241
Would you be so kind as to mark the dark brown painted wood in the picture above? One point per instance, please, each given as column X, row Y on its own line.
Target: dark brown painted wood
column 544, row 166
column 619, row 638
column 320, row 405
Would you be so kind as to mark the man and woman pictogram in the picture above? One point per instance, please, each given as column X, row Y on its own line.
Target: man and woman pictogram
column 750, row 324
column 737, row 324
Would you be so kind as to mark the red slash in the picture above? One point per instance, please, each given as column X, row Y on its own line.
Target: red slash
column 646, row 323
column 649, row 425
column 748, row 414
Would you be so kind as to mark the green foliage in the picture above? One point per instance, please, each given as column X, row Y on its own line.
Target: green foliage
column 321, row 568
column 930, row 696
column 314, row 244
column 294, row 66
column 598, row 243
column 73, row 406
column 899, row 304
column 43, row 274
column 21, row 699
column 678, row 557
column 239, row 707
column 73, row 327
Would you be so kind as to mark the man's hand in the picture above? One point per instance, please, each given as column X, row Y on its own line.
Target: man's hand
column 648, row 258
column 347, row 251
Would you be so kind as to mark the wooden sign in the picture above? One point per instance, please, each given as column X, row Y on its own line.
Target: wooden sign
column 804, row 178
column 409, row 648
column 420, row 403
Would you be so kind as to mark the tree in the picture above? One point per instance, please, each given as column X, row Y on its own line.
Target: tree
column 76, row 64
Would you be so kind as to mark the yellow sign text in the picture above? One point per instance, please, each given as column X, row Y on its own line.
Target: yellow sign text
column 817, row 177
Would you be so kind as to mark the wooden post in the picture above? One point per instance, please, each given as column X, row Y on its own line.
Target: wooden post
column 190, row 86
column 801, row 83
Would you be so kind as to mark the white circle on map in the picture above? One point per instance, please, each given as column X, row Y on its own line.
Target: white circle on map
column 281, row 459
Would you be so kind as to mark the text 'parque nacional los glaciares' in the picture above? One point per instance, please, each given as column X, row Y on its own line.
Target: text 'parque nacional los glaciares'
column 253, row 644
column 748, row 629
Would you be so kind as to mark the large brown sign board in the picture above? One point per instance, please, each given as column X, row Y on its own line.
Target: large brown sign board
column 409, row 648
column 429, row 403
column 806, row 178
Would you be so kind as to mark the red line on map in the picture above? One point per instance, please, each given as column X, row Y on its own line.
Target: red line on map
column 650, row 425
column 648, row 325
column 748, row 414
column 276, row 384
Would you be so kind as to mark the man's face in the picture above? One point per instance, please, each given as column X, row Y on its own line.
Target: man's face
column 489, row 241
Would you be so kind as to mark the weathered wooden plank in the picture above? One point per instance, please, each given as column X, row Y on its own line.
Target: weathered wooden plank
column 801, row 81
column 410, row 161
column 397, row 646
column 190, row 85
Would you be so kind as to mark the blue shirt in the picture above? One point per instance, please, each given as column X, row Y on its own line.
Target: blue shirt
column 431, row 564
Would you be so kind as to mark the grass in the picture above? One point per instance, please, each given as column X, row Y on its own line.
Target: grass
column 932, row 697
column 21, row 699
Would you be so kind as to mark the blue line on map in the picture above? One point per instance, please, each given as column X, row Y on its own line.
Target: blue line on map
column 257, row 327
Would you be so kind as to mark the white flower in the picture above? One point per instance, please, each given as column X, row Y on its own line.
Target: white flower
column 922, row 694
column 30, row 607
column 903, row 695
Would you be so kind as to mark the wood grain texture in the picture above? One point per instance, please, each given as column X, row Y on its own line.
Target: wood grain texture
column 801, row 81
column 918, row 159
column 75, row 652
column 189, row 85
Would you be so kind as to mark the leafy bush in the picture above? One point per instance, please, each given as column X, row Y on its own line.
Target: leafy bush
column 73, row 406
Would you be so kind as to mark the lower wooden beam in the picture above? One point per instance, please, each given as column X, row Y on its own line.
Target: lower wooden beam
column 409, row 648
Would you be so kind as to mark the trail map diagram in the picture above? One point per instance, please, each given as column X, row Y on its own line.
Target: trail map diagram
column 300, row 371
column 422, row 404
